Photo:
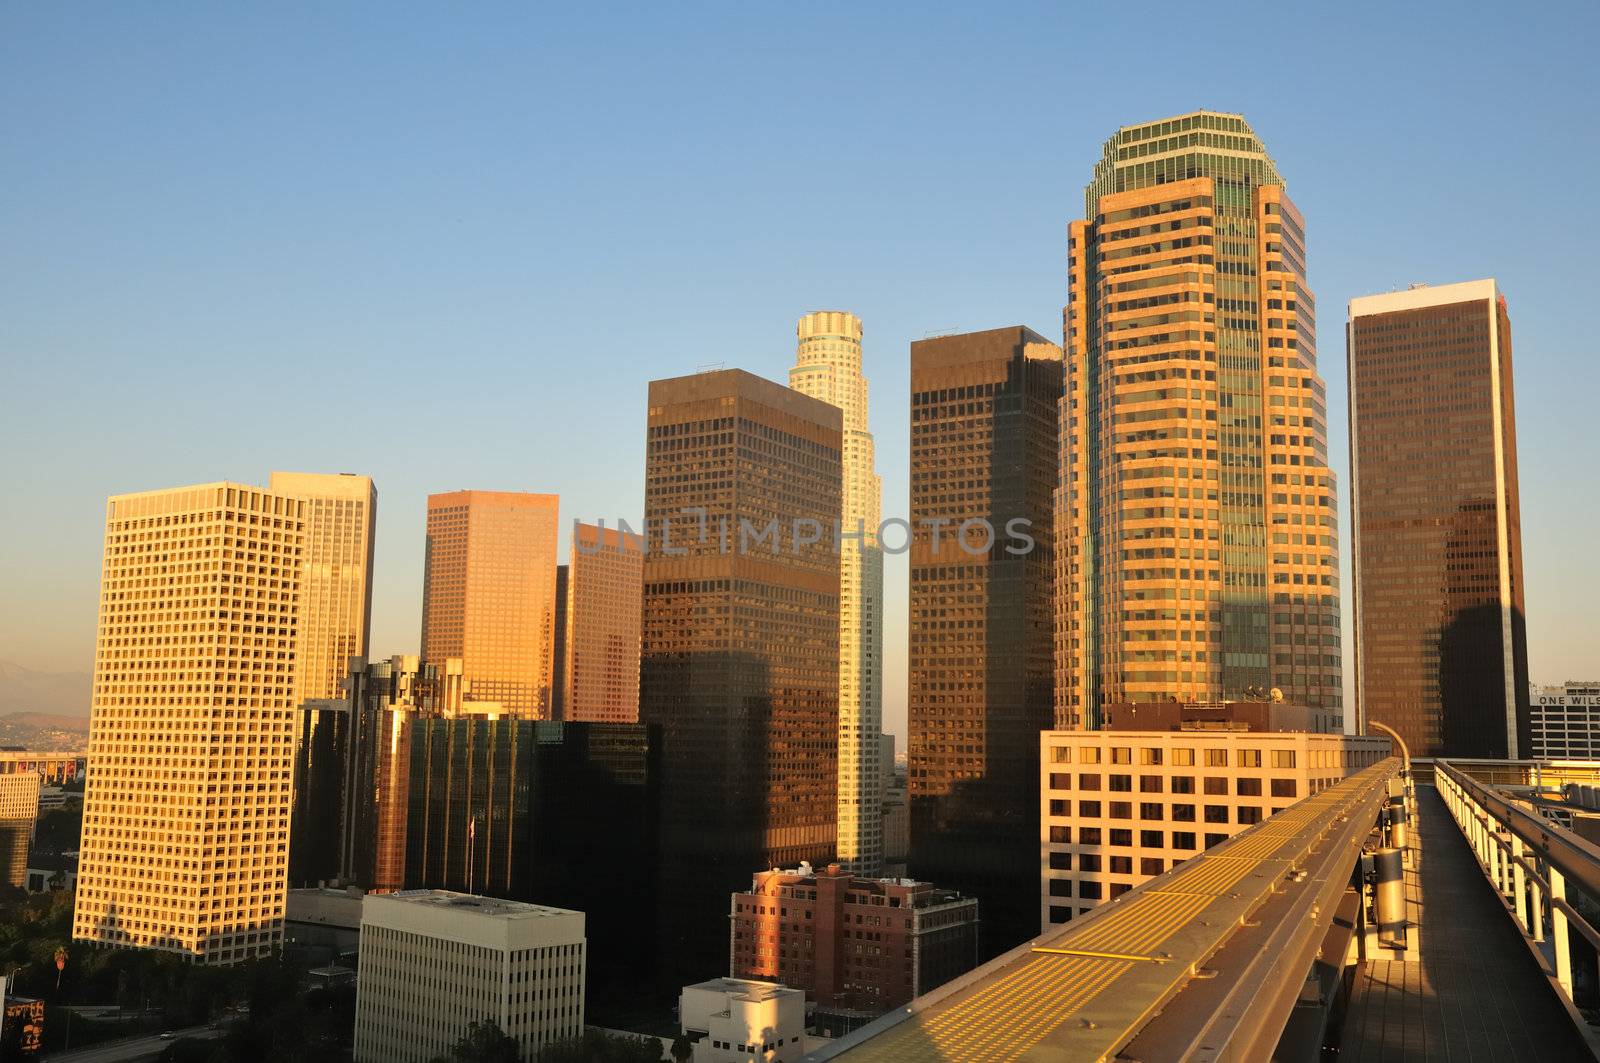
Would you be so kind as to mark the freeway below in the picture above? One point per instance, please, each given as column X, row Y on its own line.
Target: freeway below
column 130, row 1049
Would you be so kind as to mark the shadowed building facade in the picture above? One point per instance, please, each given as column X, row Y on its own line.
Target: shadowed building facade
column 352, row 775
column 1197, row 514
column 1441, row 649
column 740, row 642
column 828, row 367
column 489, row 595
column 544, row 811
column 983, row 448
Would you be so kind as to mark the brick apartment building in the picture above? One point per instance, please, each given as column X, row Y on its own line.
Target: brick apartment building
column 859, row 947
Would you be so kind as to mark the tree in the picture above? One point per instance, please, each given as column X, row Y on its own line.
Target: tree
column 682, row 1049
column 597, row 1046
column 484, row 1042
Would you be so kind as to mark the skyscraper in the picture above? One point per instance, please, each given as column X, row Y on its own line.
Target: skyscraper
column 1198, row 516
column 828, row 367
column 1441, row 650
column 191, row 746
column 336, row 575
column 605, row 603
column 489, row 595
column 352, row 774
column 741, row 642
column 983, row 467
column 560, row 651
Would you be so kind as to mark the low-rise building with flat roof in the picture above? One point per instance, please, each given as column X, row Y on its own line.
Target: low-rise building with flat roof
column 435, row 962
column 736, row 1020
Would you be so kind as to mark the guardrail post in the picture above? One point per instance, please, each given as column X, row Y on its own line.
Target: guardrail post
column 1558, row 925
column 1536, row 902
column 1519, row 884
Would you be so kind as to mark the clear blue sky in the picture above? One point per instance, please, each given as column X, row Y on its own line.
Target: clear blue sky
column 448, row 245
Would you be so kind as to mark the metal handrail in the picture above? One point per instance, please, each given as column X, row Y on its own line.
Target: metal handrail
column 1529, row 862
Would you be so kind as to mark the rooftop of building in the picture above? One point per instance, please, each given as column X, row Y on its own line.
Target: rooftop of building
column 748, row 988
column 987, row 345
column 488, row 907
column 1245, row 716
column 741, row 384
column 1418, row 296
column 922, row 893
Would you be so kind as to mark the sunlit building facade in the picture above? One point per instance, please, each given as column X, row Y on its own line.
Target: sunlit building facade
column 740, row 643
column 605, row 603
column 336, row 575
column 19, row 809
column 983, row 449
column 1441, row 647
column 489, row 595
column 191, row 747
column 828, row 367
column 1198, row 526
column 1119, row 807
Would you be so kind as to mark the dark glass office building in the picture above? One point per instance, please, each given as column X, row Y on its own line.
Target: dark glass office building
column 563, row 814
column 740, row 646
column 983, row 469
column 1441, row 650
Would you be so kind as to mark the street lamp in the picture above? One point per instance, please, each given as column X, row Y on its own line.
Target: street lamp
column 1405, row 759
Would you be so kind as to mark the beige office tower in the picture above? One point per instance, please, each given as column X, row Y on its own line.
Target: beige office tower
column 489, row 595
column 335, row 575
column 828, row 367
column 1197, row 521
column 191, row 742
column 605, row 608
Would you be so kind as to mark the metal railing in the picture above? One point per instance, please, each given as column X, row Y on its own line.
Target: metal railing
column 1531, row 862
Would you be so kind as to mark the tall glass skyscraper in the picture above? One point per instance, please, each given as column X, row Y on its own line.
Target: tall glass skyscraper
column 983, row 466
column 1197, row 515
column 828, row 367
column 740, row 643
column 1441, row 650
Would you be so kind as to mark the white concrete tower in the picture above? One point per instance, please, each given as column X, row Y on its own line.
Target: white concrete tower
column 828, row 367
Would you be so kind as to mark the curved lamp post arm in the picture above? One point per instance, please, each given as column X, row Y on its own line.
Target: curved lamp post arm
column 1405, row 757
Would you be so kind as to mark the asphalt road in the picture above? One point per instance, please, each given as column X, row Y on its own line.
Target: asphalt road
column 131, row 1050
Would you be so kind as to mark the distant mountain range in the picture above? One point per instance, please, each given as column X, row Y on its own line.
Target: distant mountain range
column 23, row 690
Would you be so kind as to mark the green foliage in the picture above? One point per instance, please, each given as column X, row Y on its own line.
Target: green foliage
column 596, row 1046
column 682, row 1048
column 161, row 991
column 484, row 1042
